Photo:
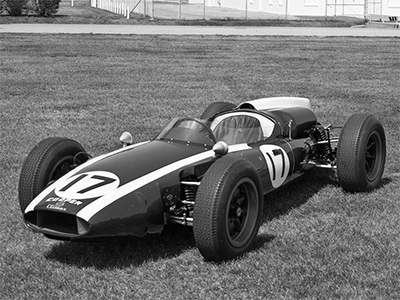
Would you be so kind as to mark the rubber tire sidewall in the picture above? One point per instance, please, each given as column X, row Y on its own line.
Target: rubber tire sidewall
column 210, row 209
column 216, row 108
column 39, row 164
column 351, row 152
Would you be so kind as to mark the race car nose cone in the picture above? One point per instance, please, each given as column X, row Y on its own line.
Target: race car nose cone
column 221, row 148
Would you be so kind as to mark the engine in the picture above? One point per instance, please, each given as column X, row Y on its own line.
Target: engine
column 319, row 147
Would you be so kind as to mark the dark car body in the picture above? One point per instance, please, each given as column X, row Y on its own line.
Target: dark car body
column 139, row 188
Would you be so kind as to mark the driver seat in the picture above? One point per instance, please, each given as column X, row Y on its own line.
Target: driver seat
column 238, row 129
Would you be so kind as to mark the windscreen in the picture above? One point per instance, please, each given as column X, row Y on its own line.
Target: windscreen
column 187, row 130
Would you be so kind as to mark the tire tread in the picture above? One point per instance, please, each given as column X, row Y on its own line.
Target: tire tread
column 206, row 206
column 350, row 167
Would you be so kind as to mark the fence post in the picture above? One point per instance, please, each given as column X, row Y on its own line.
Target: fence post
column 336, row 7
column 326, row 9
column 286, row 9
column 152, row 10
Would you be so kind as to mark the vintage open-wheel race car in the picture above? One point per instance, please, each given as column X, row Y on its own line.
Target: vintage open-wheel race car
column 210, row 173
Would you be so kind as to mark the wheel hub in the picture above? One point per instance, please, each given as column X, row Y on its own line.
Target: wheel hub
column 239, row 212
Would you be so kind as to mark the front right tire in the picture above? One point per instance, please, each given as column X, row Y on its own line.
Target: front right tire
column 49, row 160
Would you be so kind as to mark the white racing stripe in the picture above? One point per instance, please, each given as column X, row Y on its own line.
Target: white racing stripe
column 51, row 187
column 93, row 208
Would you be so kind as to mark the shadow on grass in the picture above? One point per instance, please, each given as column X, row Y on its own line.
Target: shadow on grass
column 385, row 181
column 124, row 252
column 294, row 195
column 175, row 239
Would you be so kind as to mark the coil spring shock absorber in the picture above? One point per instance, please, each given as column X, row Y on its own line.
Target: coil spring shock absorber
column 189, row 200
column 189, row 193
column 320, row 134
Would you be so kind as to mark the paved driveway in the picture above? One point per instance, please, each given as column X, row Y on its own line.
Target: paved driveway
column 197, row 30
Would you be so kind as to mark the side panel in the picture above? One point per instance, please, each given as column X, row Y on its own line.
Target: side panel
column 300, row 150
column 278, row 166
column 275, row 162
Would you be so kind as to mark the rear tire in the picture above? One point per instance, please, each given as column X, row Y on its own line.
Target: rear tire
column 216, row 108
column 49, row 160
column 228, row 209
column 361, row 153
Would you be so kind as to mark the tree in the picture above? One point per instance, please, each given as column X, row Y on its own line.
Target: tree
column 46, row 8
column 15, row 7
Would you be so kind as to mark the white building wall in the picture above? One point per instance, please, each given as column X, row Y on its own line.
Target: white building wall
column 274, row 6
column 391, row 8
column 312, row 7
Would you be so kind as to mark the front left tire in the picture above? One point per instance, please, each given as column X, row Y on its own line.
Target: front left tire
column 228, row 209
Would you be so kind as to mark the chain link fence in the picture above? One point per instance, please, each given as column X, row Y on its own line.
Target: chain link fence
column 244, row 9
column 207, row 11
column 183, row 10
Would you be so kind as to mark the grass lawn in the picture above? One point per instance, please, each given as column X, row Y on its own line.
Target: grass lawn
column 316, row 241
